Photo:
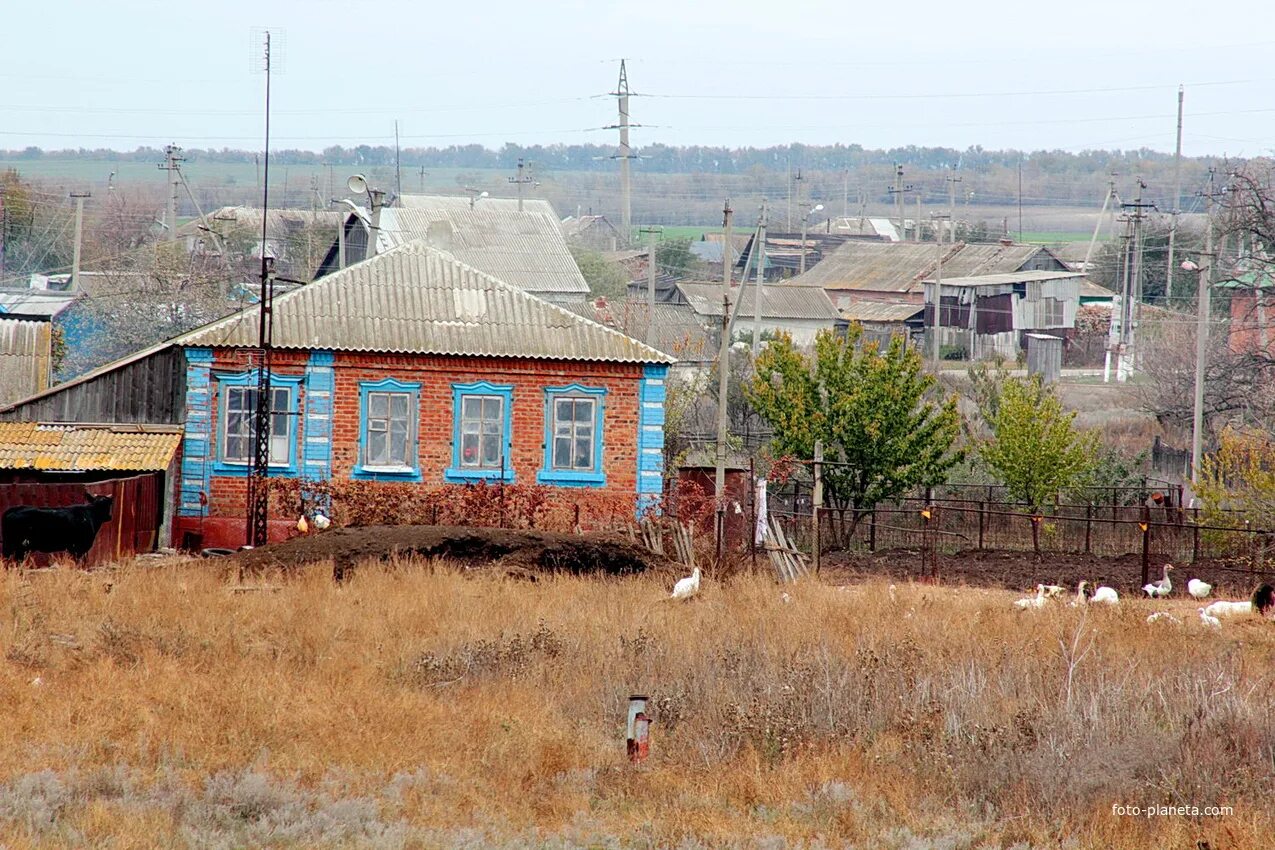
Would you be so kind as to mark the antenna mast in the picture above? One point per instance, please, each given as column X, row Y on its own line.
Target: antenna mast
column 258, row 482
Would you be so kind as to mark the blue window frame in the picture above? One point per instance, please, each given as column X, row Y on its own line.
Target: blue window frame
column 573, row 437
column 389, row 412
column 482, row 433
column 236, row 409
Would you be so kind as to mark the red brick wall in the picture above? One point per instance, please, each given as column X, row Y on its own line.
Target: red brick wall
column 436, row 375
column 1246, row 333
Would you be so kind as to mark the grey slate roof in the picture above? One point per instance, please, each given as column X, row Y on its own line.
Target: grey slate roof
column 1006, row 277
column 673, row 328
column 526, row 249
column 24, row 358
column 880, row 311
column 901, row 266
column 415, row 299
column 779, row 301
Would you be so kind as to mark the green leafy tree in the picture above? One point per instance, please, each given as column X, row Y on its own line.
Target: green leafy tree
column 674, row 257
column 605, row 278
column 1035, row 448
column 869, row 407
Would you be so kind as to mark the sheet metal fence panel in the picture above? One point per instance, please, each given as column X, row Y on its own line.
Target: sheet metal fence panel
column 135, row 514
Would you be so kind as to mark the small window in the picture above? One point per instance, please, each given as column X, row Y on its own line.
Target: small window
column 574, row 423
column 1052, row 312
column 389, row 429
column 239, row 425
column 573, row 437
column 482, row 432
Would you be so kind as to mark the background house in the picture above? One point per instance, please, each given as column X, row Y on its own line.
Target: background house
column 800, row 311
column 989, row 315
column 592, row 231
column 411, row 366
column 523, row 247
column 297, row 240
column 859, row 270
column 1252, row 296
column 881, row 321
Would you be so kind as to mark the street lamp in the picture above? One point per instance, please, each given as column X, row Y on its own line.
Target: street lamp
column 805, row 220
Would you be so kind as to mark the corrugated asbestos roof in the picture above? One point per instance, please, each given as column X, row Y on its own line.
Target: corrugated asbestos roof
column 526, row 249
column 901, row 266
column 1006, row 278
column 415, row 299
column 35, row 302
column 24, row 358
column 54, row 447
column 672, row 328
column 779, row 301
column 880, row 311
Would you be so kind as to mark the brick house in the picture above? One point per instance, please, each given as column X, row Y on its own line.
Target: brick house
column 409, row 367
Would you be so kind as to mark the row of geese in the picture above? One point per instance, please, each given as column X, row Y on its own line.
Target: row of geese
column 1263, row 599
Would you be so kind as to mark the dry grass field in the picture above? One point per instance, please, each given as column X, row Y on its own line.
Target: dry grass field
column 417, row 706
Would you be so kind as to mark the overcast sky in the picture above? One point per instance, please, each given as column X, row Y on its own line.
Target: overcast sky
column 1082, row 74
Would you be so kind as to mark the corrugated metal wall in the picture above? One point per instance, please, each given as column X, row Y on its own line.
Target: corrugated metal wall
column 135, row 516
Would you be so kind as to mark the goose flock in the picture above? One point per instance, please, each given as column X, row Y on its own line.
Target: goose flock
column 1211, row 616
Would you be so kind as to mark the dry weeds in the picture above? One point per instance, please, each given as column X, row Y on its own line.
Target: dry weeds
column 416, row 706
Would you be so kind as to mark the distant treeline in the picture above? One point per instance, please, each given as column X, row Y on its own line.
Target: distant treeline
column 656, row 158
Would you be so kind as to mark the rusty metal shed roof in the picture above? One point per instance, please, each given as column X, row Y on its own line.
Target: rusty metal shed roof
column 526, row 248
column 64, row 447
column 415, row 299
column 778, row 301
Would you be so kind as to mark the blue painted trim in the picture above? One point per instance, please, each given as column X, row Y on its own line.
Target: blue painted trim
column 461, row 475
column 195, row 474
column 366, row 473
column 320, row 384
column 595, row 477
column 240, row 379
column 650, row 437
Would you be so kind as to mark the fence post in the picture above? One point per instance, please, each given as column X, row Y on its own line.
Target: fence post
column 1195, row 536
column 816, row 501
column 872, row 530
column 982, row 523
column 752, row 512
column 1088, row 527
column 1115, row 498
column 1146, row 544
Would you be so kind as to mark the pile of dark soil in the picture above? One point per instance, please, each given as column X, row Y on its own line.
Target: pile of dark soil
column 512, row 550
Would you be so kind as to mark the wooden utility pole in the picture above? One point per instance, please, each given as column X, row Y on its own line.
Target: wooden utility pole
column 1093, row 240
column 723, row 377
column 398, row 167
column 1176, row 209
column 759, row 245
column 79, row 238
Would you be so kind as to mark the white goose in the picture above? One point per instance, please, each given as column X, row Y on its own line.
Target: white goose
column 1161, row 588
column 1106, row 596
column 1223, row 608
column 1209, row 620
column 1199, row 589
column 687, row 587
column 1165, row 616
column 1031, row 603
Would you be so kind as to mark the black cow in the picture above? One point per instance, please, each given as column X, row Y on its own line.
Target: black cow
column 24, row 530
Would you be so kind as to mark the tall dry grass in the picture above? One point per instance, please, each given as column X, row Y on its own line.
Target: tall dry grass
column 416, row 706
